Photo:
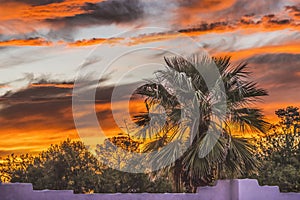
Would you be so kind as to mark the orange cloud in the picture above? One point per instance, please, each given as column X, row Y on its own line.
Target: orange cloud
column 12, row 10
column 246, row 53
column 190, row 11
column 245, row 26
column 57, row 85
column 25, row 12
column 218, row 28
column 26, row 42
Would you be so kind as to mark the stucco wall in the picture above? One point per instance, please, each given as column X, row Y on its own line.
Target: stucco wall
column 245, row 189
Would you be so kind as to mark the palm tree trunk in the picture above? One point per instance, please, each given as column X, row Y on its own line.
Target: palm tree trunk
column 177, row 176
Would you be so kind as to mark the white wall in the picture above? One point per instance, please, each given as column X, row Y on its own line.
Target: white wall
column 245, row 189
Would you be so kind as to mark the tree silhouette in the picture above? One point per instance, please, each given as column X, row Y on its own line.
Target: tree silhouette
column 14, row 167
column 230, row 156
column 111, row 155
column 69, row 165
column 279, row 152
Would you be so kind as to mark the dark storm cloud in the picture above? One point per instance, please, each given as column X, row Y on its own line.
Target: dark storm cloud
column 31, row 109
column 277, row 71
column 275, row 58
column 44, row 105
column 34, row 117
column 32, row 105
column 104, row 94
column 106, row 12
column 187, row 3
column 279, row 74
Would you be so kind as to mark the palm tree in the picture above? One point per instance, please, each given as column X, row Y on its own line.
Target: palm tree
column 203, row 116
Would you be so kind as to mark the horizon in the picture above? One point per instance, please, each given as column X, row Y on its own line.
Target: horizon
column 45, row 44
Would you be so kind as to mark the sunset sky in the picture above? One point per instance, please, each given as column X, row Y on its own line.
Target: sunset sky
column 44, row 43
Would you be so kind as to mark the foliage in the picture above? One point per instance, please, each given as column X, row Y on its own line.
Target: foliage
column 71, row 166
column 117, row 181
column 230, row 156
column 14, row 166
column 279, row 152
column 115, row 151
column 65, row 166
column 121, row 181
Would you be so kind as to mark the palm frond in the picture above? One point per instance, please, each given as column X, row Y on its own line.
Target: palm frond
column 249, row 119
column 240, row 159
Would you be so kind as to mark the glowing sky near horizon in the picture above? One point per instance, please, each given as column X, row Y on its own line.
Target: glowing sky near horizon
column 43, row 44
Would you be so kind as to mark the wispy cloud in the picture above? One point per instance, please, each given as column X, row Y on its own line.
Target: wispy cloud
column 247, row 24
